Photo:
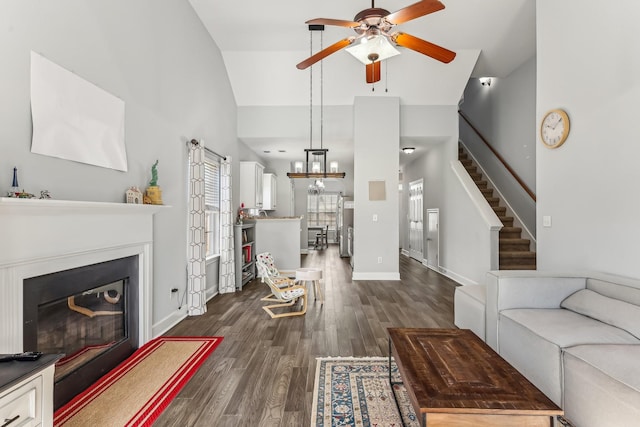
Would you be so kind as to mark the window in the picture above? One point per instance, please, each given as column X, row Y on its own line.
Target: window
column 212, row 205
column 322, row 209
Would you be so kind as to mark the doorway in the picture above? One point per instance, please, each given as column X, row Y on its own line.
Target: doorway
column 415, row 220
column 433, row 238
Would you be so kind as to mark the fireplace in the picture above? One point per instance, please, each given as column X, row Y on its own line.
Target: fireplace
column 89, row 314
column 46, row 246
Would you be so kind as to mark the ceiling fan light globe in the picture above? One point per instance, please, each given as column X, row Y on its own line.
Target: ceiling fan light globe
column 378, row 45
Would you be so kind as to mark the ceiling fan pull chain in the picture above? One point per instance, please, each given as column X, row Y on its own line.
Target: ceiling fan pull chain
column 321, row 97
column 310, row 95
column 386, row 76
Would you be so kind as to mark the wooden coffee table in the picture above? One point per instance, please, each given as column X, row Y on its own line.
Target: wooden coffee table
column 454, row 379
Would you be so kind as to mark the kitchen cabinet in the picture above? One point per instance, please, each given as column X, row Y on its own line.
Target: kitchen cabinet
column 251, row 184
column 244, row 246
column 269, row 193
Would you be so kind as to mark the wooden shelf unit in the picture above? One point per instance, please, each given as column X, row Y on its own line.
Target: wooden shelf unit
column 245, row 245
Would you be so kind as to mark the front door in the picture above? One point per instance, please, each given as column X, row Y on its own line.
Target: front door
column 415, row 220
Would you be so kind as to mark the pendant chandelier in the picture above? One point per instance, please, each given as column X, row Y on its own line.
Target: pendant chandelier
column 316, row 167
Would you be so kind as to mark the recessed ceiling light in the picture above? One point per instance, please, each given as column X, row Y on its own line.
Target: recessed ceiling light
column 267, row 151
column 408, row 150
column 282, row 151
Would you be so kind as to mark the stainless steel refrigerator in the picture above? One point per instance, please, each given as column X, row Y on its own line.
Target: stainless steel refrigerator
column 344, row 220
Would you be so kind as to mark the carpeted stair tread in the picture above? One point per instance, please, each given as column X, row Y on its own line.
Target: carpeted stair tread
column 487, row 192
column 471, row 169
column 482, row 185
column 518, row 267
column 514, row 244
column 499, row 210
column 517, row 255
column 493, row 201
column 510, row 232
column 507, row 221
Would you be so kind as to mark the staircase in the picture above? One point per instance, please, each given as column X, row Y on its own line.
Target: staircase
column 513, row 249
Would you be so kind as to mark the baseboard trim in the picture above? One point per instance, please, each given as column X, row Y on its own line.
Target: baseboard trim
column 168, row 322
column 375, row 276
column 404, row 252
column 456, row 277
column 304, row 251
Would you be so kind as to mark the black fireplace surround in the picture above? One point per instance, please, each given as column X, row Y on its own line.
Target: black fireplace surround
column 55, row 289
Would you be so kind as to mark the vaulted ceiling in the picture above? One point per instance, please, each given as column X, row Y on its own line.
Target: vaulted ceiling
column 262, row 41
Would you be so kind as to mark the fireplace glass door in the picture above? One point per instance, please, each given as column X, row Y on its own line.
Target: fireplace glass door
column 89, row 314
column 82, row 326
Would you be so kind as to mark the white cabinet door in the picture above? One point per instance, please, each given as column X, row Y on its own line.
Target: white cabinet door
column 259, row 185
column 270, row 194
column 251, row 184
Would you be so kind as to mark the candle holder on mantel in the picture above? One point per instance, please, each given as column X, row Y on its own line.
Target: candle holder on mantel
column 153, row 194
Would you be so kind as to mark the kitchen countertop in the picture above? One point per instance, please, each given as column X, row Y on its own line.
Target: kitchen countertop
column 297, row 218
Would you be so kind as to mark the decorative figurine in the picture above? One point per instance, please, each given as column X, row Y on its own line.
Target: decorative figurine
column 44, row 194
column 24, row 195
column 133, row 195
column 241, row 213
column 14, row 190
column 153, row 194
column 154, row 175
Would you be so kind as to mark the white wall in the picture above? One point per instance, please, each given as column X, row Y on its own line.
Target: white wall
column 376, row 144
column 504, row 113
column 160, row 60
column 464, row 252
column 590, row 66
column 437, row 124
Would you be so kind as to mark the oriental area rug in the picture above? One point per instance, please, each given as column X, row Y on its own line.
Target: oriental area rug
column 356, row 392
column 137, row 391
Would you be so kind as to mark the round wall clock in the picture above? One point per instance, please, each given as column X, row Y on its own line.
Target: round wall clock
column 554, row 128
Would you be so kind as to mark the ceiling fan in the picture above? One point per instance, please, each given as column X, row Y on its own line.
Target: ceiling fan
column 375, row 42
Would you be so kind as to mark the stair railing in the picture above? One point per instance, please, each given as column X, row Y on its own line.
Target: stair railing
column 513, row 173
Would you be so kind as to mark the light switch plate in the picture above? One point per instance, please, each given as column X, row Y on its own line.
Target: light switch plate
column 546, row 221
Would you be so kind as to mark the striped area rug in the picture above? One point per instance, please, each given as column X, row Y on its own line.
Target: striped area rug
column 137, row 391
column 350, row 391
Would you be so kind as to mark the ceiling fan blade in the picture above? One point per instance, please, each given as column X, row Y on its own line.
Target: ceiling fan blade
column 424, row 47
column 324, row 53
column 334, row 22
column 373, row 72
column 414, row 11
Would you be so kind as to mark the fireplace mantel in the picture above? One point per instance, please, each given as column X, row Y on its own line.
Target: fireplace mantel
column 15, row 206
column 45, row 236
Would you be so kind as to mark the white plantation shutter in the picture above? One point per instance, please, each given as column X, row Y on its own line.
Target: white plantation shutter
column 212, row 184
column 212, row 205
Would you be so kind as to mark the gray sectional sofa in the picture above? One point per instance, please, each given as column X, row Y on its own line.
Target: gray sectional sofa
column 575, row 336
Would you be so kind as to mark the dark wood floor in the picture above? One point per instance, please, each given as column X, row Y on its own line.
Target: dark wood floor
column 262, row 373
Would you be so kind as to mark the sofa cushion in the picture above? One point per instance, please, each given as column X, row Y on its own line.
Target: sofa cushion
column 618, row 313
column 621, row 288
column 602, row 385
column 566, row 328
column 532, row 340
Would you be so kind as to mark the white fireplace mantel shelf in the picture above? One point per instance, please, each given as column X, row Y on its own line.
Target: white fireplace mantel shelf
column 12, row 205
column 43, row 236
